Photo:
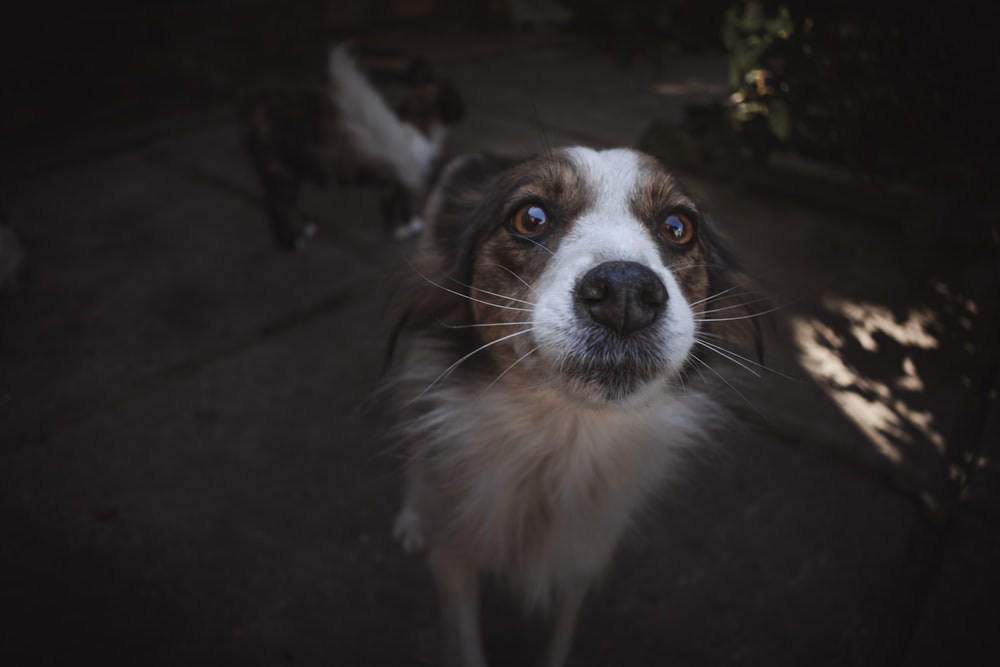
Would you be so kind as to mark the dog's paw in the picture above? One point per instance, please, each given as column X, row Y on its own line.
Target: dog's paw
column 408, row 530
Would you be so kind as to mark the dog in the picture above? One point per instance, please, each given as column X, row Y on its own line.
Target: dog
column 296, row 136
column 548, row 383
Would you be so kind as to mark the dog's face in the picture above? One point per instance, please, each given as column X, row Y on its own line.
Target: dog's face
column 584, row 270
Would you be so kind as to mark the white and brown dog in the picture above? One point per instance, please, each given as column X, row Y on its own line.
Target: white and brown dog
column 550, row 382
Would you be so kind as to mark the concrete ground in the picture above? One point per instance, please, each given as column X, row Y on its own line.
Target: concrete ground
column 189, row 473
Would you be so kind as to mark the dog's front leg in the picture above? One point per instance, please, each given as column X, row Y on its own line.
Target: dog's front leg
column 566, row 607
column 457, row 583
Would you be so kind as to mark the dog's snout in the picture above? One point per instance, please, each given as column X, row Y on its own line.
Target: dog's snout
column 623, row 296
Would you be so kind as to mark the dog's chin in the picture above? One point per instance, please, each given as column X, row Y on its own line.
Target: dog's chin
column 608, row 382
column 600, row 367
column 607, row 391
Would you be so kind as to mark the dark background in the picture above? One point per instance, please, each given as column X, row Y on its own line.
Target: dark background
column 138, row 528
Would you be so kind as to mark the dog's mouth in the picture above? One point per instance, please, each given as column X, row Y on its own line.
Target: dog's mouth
column 617, row 337
column 611, row 368
column 611, row 383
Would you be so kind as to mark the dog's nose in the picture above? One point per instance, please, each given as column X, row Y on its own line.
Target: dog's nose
column 623, row 296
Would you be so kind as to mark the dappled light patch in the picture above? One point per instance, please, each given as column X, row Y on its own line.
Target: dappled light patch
column 876, row 362
column 871, row 403
column 869, row 319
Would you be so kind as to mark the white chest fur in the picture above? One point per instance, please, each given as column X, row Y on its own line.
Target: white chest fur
column 537, row 489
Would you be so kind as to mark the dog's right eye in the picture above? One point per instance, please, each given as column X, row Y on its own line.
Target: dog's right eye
column 677, row 229
column 530, row 220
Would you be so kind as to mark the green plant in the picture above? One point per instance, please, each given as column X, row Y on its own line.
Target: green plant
column 893, row 93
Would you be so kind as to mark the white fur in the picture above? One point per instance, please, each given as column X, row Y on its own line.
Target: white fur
column 607, row 232
column 498, row 437
column 375, row 132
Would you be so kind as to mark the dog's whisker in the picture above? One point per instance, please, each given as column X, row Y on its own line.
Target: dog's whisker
column 679, row 382
column 503, row 296
column 466, row 296
column 740, row 317
column 483, row 324
column 715, row 335
column 499, row 296
column 523, row 281
column 700, row 374
column 508, row 369
column 749, row 293
column 484, row 302
column 729, row 354
column 539, row 245
column 733, row 357
column 702, row 265
column 728, row 384
column 711, row 297
column 718, row 337
column 448, row 371
column 742, row 304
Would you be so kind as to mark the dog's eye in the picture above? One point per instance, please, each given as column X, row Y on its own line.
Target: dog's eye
column 677, row 229
column 530, row 220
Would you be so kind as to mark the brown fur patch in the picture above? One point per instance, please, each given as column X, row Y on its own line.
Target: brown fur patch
column 656, row 196
column 508, row 265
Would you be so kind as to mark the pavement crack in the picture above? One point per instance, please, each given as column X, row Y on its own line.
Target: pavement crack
column 61, row 419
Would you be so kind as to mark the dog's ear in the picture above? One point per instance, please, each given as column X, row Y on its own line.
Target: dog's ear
column 736, row 300
column 468, row 194
column 459, row 212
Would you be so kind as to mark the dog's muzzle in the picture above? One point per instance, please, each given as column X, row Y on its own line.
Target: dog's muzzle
column 624, row 297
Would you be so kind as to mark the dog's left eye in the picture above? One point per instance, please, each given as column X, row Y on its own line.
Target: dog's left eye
column 677, row 228
column 530, row 220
